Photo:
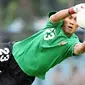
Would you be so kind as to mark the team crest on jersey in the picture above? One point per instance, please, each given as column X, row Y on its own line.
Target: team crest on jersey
column 62, row 43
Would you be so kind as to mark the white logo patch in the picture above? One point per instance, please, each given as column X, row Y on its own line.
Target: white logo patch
column 62, row 43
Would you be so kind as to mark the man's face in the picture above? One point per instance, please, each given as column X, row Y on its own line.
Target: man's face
column 70, row 24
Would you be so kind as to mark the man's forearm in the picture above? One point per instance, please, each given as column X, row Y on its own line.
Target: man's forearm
column 66, row 12
column 59, row 15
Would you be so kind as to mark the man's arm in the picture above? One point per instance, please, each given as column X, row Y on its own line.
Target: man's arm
column 59, row 15
column 79, row 48
column 62, row 14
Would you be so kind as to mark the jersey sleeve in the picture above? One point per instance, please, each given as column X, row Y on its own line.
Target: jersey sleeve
column 71, row 45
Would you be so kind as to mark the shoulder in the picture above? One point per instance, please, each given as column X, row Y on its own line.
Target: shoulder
column 51, row 13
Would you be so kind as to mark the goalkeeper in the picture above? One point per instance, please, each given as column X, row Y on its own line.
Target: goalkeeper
column 22, row 61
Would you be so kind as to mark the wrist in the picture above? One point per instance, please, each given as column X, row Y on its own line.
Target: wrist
column 71, row 10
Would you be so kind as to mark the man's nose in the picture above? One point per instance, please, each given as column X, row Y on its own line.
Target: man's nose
column 72, row 22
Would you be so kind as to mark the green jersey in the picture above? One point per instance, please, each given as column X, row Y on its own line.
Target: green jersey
column 50, row 46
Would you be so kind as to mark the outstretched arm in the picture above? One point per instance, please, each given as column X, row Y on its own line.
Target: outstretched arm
column 62, row 14
column 59, row 15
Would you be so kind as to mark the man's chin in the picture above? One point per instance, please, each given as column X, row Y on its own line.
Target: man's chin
column 69, row 33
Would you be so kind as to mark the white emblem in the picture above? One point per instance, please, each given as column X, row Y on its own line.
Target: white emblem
column 62, row 43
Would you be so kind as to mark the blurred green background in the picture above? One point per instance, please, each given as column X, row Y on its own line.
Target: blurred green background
column 22, row 18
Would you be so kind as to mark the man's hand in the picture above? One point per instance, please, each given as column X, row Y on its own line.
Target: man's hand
column 76, row 8
column 79, row 48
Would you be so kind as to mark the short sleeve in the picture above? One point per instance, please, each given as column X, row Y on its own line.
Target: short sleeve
column 51, row 13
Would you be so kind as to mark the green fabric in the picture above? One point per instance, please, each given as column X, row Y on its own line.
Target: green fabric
column 51, row 13
column 40, row 52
